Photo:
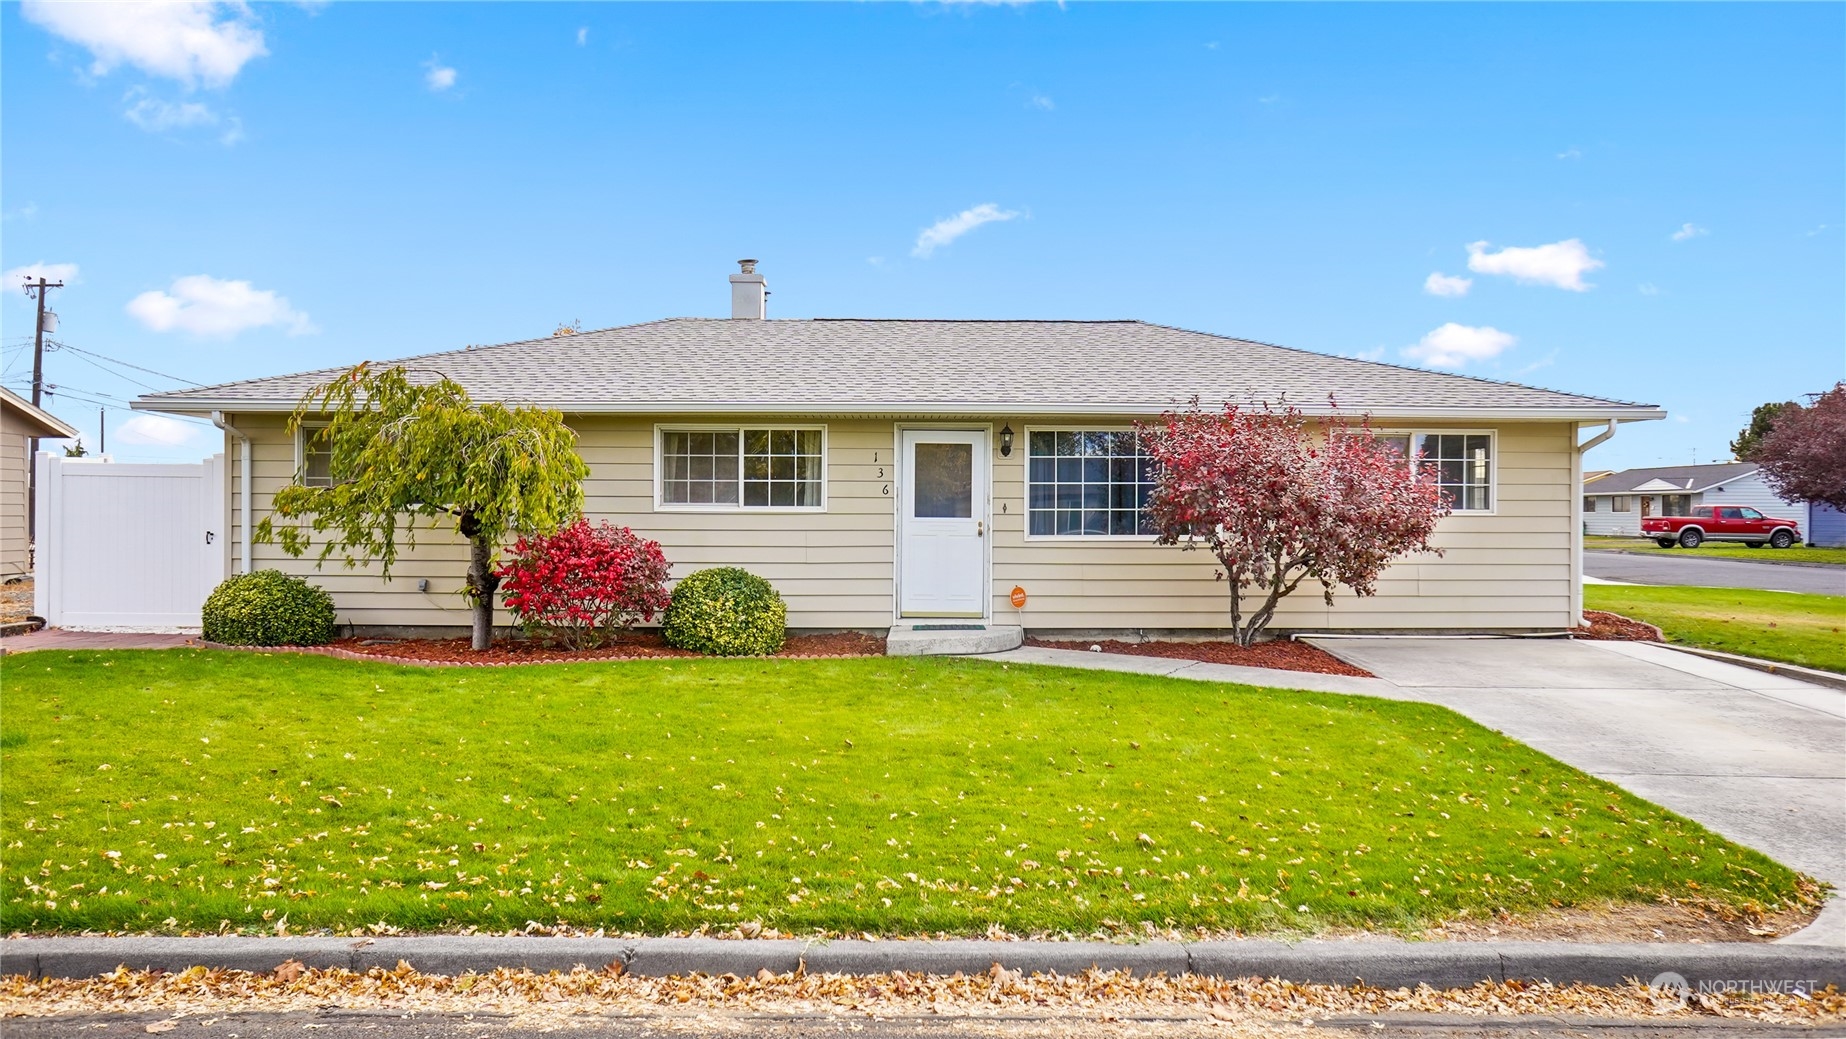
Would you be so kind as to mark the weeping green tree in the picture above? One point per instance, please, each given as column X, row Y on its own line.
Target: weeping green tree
column 406, row 452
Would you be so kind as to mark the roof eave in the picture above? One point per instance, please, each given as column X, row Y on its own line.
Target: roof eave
column 1571, row 413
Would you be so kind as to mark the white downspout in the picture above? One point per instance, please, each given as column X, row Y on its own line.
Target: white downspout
column 243, row 489
column 1576, row 520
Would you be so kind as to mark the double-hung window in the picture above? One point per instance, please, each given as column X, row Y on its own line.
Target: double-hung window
column 742, row 467
column 1092, row 483
column 1461, row 464
column 313, row 456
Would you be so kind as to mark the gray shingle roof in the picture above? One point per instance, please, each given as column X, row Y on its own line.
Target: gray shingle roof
column 850, row 366
column 1684, row 478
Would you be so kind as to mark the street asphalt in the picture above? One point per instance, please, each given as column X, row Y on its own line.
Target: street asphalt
column 1685, row 567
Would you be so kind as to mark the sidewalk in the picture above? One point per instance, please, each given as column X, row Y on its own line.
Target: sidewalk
column 59, row 638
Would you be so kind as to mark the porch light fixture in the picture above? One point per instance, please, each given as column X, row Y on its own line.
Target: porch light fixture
column 1006, row 441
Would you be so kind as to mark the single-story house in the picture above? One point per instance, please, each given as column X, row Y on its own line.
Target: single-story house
column 20, row 422
column 885, row 472
column 1616, row 504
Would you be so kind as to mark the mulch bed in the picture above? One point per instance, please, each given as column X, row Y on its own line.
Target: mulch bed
column 1279, row 654
column 631, row 646
column 1613, row 627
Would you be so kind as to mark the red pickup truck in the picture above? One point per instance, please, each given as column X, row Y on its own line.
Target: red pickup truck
column 1721, row 523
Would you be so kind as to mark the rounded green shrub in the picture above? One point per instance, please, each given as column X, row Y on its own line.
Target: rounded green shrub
column 726, row 612
column 268, row 608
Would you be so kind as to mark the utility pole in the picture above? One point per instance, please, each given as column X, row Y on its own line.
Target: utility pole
column 102, row 431
column 38, row 382
column 38, row 289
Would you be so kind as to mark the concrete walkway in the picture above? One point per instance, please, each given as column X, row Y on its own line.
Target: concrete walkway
column 59, row 638
column 1170, row 668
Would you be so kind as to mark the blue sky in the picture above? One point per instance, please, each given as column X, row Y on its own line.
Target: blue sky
column 1643, row 201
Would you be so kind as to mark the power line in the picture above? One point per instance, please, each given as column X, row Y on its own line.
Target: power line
column 61, row 345
column 119, row 375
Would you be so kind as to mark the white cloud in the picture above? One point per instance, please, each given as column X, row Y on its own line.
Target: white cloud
column 437, row 76
column 154, row 115
column 1571, row 154
column 1439, row 284
column 1562, row 264
column 1041, row 102
column 207, row 306
column 1453, row 345
column 583, row 35
column 1682, row 418
column 1376, row 353
column 1544, row 362
column 944, row 231
column 64, row 272
column 193, row 43
column 1687, row 232
column 1816, row 231
column 1648, row 288
column 155, row 430
column 1269, row 99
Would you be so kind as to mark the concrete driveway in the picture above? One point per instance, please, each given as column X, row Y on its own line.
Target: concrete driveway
column 1759, row 758
column 1687, row 567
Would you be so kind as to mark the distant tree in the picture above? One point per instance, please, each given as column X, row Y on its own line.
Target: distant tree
column 1804, row 456
column 1762, row 420
column 76, row 450
column 404, row 450
column 1277, row 503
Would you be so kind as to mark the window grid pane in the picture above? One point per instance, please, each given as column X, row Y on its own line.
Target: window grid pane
column 1462, row 464
column 1087, row 483
column 316, row 458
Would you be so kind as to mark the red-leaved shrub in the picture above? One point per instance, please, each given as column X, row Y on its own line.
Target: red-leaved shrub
column 579, row 585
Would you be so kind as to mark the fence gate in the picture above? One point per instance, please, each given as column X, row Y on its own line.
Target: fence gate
column 123, row 545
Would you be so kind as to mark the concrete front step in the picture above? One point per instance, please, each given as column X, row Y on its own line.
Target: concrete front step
column 948, row 638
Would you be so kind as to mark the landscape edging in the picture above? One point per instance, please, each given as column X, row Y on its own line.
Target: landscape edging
column 1383, row 964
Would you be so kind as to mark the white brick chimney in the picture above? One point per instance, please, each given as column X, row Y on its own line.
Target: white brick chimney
column 749, row 293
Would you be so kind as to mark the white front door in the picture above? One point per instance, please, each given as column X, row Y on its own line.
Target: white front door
column 942, row 523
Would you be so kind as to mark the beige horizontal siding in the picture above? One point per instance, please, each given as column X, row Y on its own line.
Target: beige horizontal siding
column 834, row 568
column 15, row 460
column 1508, row 570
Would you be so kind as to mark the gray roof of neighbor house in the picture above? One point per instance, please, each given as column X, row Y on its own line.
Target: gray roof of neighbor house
column 851, row 366
column 38, row 421
column 1682, row 479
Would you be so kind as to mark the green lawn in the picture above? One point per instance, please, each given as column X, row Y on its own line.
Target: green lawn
column 187, row 789
column 1809, row 630
column 1724, row 550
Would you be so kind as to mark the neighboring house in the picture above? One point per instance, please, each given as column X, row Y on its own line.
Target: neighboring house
column 1590, row 476
column 1617, row 503
column 1826, row 526
column 20, row 421
column 879, row 472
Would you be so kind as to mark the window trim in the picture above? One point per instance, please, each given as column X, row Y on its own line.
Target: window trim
column 299, row 477
column 661, row 429
column 1025, row 484
column 1493, row 460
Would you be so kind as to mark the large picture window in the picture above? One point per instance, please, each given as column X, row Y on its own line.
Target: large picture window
column 1462, row 464
column 1091, row 483
column 742, row 467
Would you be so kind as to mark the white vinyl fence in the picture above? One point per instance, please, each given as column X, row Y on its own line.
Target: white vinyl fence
column 127, row 546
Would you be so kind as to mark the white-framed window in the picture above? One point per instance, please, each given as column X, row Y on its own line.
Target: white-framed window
column 1676, row 505
column 1087, row 483
column 1619, row 503
column 1461, row 460
column 717, row 468
column 313, row 456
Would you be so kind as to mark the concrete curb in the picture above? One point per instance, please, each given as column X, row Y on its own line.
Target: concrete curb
column 1771, row 667
column 1387, row 964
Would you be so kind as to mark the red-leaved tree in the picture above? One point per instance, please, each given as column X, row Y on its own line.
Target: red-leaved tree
column 579, row 585
column 1804, row 456
column 1277, row 502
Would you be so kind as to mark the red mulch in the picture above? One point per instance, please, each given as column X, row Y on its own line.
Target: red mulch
column 1280, row 654
column 1613, row 627
column 631, row 646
